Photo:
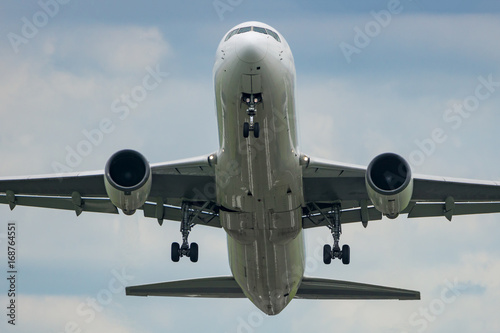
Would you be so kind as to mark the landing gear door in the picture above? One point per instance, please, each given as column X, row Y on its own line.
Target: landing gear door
column 251, row 84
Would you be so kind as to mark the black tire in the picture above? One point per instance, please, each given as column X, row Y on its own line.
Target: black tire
column 327, row 254
column 346, row 254
column 246, row 129
column 256, row 130
column 193, row 252
column 175, row 255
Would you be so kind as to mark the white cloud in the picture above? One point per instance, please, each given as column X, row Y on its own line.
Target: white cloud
column 70, row 77
column 47, row 313
column 125, row 49
column 455, row 35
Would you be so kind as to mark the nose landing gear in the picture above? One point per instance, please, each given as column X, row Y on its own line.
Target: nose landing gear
column 251, row 100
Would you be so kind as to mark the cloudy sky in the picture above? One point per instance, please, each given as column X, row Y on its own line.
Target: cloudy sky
column 372, row 76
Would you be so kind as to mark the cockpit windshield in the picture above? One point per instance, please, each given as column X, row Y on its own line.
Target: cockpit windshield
column 245, row 29
column 256, row 29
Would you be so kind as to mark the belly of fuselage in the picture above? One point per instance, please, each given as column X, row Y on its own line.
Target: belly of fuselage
column 260, row 187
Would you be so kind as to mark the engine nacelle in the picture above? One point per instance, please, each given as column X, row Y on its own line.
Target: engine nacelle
column 127, row 178
column 389, row 184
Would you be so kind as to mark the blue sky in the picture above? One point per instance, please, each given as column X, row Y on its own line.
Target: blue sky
column 390, row 96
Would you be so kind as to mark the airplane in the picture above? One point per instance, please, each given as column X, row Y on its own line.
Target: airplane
column 258, row 187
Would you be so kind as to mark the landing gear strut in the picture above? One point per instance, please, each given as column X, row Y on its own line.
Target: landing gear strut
column 251, row 100
column 335, row 227
column 185, row 249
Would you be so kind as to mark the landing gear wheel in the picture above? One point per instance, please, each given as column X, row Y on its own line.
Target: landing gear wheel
column 327, row 254
column 335, row 226
column 193, row 252
column 256, row 130
column 189, row 214
column 346, row 254
column 246, row 129
column 175, row 252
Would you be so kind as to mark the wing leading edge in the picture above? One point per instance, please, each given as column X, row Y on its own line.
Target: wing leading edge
column 310, row 288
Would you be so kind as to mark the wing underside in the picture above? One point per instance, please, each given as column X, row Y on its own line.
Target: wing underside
column 172, row 183
column 325, row 183
column 328, row 183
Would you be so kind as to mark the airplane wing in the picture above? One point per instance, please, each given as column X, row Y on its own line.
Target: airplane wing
column 172, row 182
column 310, row 288
column 326, row 183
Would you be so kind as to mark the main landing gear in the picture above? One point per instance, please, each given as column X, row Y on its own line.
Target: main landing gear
column 191, row 251
column 330, row 253
column 251, row 100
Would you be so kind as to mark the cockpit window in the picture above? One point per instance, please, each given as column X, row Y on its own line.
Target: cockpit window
column 275, row 35
column 231, row 34
column 256, row 29
column 261, row 30
column 245, row 29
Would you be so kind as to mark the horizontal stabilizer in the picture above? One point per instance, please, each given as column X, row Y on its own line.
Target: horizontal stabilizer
column 216, row 287
column 314, row 288
column 310, row 288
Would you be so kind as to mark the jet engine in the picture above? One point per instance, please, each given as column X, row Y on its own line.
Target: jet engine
column 127, row 178
column 389, row 184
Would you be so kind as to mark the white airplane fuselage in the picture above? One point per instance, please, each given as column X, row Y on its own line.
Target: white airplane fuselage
column 259, row 179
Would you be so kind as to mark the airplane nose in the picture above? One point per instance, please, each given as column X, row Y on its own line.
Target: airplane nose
column 252, row 49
